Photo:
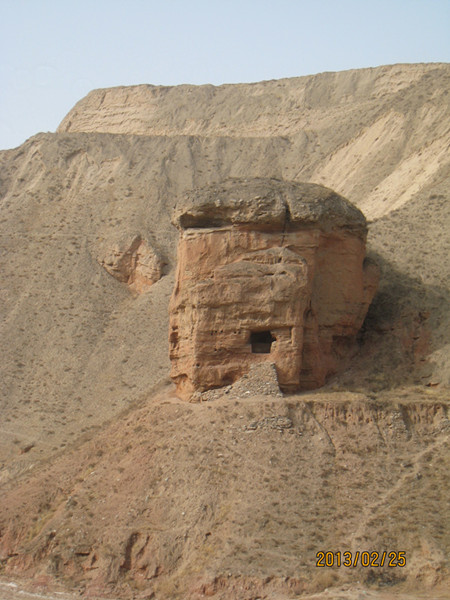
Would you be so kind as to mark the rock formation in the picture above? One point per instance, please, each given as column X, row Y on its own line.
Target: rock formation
column 268, row 270
column 132, row 261
column 72, row 332
column 273, row 476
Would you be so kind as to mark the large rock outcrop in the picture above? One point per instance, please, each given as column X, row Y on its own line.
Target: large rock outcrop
column 268, row 270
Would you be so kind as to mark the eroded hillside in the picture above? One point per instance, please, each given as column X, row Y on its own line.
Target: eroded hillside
column 234, row 498
column 81, row 344
column 377, row 136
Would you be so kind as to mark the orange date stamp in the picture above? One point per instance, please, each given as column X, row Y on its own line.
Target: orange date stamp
column 362, row 558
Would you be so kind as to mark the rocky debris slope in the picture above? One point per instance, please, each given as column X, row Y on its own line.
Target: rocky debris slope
column 267, row 270
column 261, row 380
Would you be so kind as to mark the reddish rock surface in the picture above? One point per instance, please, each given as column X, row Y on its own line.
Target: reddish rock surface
column 132, row 261
column 268, row 270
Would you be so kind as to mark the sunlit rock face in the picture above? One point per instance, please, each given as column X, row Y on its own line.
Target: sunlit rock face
column 268, row 271
column 131, row 260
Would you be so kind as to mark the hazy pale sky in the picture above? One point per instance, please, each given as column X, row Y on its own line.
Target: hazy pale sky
column 53, row 52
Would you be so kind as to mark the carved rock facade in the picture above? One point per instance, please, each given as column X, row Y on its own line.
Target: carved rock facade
column 267, row 270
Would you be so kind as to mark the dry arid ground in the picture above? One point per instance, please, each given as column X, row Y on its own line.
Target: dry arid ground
column 110, row 485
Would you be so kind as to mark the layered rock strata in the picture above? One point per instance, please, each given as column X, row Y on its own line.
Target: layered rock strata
column 268, row 271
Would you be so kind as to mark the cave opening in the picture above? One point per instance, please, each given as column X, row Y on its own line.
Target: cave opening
column 261, row 342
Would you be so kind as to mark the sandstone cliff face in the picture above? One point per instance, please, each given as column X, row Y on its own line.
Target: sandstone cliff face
column 267, row 271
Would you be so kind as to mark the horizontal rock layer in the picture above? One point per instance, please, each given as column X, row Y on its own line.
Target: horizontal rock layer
column 267, row 202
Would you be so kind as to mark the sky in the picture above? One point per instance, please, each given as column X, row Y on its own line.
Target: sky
column 53, row 52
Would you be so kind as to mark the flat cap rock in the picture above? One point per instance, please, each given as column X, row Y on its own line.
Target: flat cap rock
column 267, row 202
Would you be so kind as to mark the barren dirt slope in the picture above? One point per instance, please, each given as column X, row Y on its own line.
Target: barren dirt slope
column 378, row 136
column 234, row 498
column 79, row 347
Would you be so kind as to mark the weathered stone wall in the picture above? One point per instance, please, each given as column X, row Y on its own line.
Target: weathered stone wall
column 261, row 284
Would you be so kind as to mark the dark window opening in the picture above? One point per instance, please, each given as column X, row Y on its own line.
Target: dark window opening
column 261, row 342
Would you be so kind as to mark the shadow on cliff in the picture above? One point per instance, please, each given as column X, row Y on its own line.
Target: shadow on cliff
column 406, row 322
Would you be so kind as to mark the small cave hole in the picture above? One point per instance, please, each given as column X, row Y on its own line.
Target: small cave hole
column 261, row 342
